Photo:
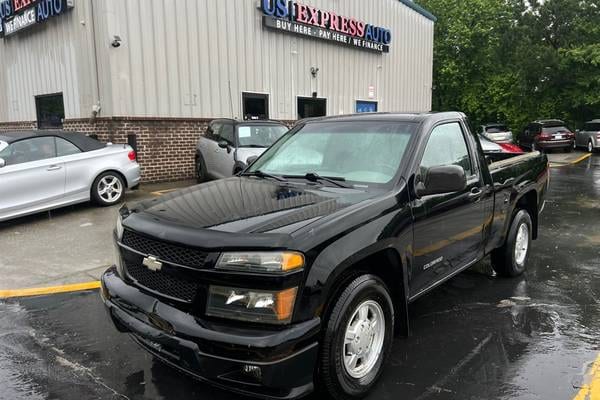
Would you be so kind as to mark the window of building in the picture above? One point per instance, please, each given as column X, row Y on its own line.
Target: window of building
column 366, row 106
column 309, row 107
column 50, row 111
column 255, row 106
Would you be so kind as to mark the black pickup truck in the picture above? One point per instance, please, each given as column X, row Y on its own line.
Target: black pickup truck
column 297, row 273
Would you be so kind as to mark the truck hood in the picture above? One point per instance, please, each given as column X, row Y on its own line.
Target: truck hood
column 205, row 214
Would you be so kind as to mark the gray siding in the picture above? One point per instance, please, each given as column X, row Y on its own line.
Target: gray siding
column 193, row 58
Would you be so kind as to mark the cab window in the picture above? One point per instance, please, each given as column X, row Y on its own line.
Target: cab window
column 447, row 146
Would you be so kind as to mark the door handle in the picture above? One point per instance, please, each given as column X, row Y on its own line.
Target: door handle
column 475, row 192
column 53, row 168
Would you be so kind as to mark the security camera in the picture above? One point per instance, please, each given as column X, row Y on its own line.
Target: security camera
column 314, row 71
column 116, row 41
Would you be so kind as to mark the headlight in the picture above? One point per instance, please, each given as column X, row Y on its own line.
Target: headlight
column 119, row 227
column 251, row 305
column 270, row 262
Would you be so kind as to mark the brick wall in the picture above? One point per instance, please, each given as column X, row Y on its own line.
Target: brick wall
column 166, row 146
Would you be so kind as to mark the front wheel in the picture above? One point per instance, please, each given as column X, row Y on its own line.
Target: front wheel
column 510, row 259
column 357, row 339
column 108, row 189
column 590, row 147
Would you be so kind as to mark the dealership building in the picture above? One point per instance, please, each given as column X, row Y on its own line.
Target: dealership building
column 154, row 72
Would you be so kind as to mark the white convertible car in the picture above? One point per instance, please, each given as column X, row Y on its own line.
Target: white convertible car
column 42, row 170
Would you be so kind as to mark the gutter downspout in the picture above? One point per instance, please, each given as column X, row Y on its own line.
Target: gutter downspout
column 96, row 107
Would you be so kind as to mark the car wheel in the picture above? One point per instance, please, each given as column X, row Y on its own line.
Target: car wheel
column 108, row 189
column 534, row 146
column 574, row 145
column 590, row 146
column 510, row 259
column 201, row 175
column 357, row 339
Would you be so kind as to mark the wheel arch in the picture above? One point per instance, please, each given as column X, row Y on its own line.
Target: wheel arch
column 384, row 263
column 113, row 170
column 528, row 201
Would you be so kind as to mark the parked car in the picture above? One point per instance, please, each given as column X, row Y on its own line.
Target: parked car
column 304, row 261
column 589, row 136
column 228, row 144
column 545, row 135
column 499, row 133
column 43, row 170
column 489, row 147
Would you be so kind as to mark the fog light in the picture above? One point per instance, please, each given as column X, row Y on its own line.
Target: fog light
column 253, row 372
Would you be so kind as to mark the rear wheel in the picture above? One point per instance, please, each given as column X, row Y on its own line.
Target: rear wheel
column 108, row 189
column 357, row 339
column 510, row 259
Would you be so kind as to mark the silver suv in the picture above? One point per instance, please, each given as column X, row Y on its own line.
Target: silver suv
column 227, row 145
column 589, row 136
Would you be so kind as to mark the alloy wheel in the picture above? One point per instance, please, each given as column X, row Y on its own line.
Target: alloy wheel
column 363, row 340
column 522, row 244
column 110, row 188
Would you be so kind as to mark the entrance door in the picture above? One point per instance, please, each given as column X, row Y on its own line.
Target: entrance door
column 309, row 107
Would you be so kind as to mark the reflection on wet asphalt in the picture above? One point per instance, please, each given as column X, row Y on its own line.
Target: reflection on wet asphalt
column 476, row 337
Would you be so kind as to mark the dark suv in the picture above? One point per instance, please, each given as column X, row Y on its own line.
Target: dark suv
column 546, row 134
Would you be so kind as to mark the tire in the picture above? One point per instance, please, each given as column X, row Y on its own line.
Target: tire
column 336, row 375
column 108, row 189
column 590, row 146
column 533, row 146
column 506, row 260
column 201, row 174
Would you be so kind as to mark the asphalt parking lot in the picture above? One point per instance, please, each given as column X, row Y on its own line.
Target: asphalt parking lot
column 476, row 337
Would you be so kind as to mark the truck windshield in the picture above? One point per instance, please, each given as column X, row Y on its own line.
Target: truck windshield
column 361, row 152
column 259, row 135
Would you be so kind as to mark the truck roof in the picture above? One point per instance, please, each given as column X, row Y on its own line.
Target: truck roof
column 383, row 116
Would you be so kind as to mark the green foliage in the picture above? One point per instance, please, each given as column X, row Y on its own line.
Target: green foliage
column 515, row 61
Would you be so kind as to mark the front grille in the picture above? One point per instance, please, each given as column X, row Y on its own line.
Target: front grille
column 165, row 251
column 163, row 283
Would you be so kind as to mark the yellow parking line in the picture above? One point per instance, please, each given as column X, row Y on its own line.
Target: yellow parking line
column 5, row 294
column 590, row 389
column 564, row 164
column 161, row 192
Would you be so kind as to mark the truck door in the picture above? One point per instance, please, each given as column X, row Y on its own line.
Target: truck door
column 447, row 228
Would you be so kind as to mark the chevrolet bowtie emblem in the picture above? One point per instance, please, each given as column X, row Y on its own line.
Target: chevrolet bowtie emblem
column 152, row 263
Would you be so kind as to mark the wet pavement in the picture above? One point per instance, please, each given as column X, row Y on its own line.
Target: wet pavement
column 476, row 337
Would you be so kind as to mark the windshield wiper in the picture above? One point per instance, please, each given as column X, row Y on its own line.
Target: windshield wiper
column 314, row 177
column 260, row 174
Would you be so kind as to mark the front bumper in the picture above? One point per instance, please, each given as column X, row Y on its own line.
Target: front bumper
column 216, row 354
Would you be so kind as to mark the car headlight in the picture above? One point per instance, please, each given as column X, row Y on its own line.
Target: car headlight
column 119, row 227
column 270, row 307
column 268, row 262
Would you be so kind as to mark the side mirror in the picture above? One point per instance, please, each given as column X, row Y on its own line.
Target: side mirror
column 443, row 179
column 223, row 144
column 251, row 159
column 2, row 163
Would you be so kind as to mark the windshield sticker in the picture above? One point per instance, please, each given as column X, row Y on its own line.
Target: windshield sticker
column 244, row 132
